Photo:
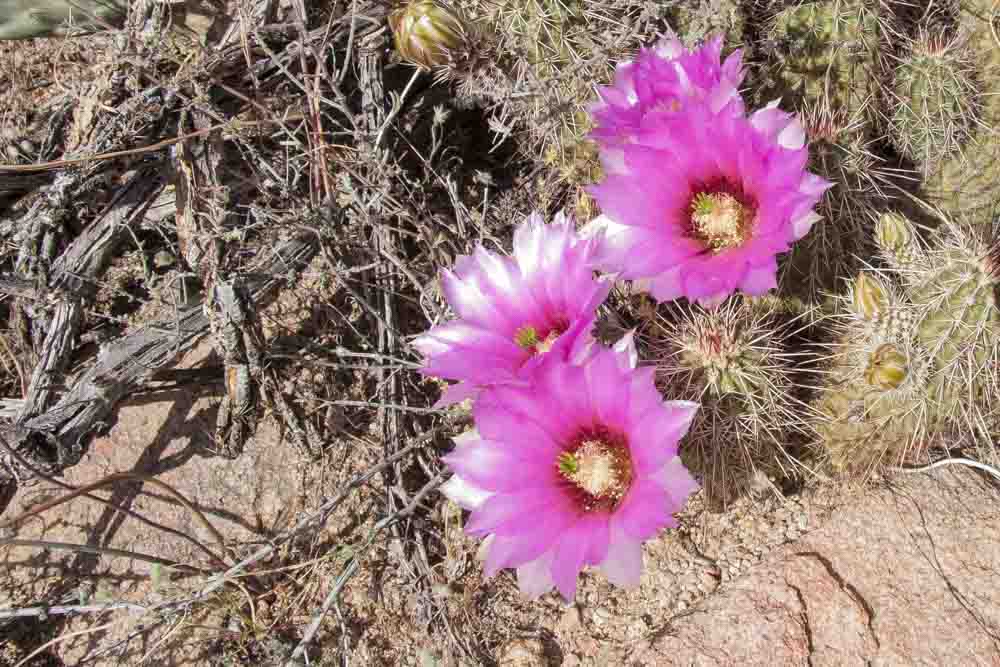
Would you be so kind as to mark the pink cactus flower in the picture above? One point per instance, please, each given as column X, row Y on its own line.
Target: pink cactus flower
column 663, row 80
column 577, row 467
column 515, row 311
column 699, row 204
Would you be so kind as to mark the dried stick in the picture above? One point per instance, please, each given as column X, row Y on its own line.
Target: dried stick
column 101, row 551
column 128, row 361
column 42, row 613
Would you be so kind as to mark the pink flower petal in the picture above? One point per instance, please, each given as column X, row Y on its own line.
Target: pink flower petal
column 535, row 578
column 486, row 464
column 465, row 495
column 623, row 563
column 655, row 440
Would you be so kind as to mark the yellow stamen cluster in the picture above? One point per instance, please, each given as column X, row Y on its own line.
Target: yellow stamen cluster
column 719, row 220
column 601, row 471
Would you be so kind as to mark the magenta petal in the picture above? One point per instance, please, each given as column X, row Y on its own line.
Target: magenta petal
column 759, row 280
column 528, row 544
column 655, row 440
column 645, row 510
column 568, row 560
column 604, row 382
column 535, row 578
column 499, row 422
column 487, row 464
column 599, row 537
column 678, row 482
column 467, row 496
column 623, row 563
column 510, row 513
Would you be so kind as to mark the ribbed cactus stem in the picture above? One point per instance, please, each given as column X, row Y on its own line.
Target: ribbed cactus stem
column 935, row 100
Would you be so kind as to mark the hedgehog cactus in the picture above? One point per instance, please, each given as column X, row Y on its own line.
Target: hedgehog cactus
column 934, row 100
column 558, row 57
column 838, row 151
column 26, row 19
column 919, row 348
column 735, row 362
column 697, row 20
column 965, row 183
column 828, row 51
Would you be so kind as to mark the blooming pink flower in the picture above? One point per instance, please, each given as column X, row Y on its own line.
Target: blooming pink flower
column 662, row 80
column 576, row 468
column 514, row 311
column 698, row 204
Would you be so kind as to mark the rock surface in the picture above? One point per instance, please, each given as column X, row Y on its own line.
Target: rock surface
column 904, row 575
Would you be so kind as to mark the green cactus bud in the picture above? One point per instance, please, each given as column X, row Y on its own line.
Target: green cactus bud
column 426, row 32
column 868, row 296
column 27, row 19
column 897, row 239
column 927, row 368
column 887, row 368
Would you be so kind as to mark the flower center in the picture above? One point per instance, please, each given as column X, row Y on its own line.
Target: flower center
column 528, row 338
column 600, row 469
column 719, row 220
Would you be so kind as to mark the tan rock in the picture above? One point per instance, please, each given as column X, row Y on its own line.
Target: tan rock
column 904, row 576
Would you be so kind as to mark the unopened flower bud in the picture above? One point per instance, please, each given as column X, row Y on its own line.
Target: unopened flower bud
column 897, row 239
column 887, row 368
column 868, row 296
column 427, row 31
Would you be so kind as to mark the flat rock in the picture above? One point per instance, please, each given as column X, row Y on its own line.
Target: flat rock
column 905, row 575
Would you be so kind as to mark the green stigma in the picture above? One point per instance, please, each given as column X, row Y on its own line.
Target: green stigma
column 567, row 464
column 527, row 338
column 703, row 204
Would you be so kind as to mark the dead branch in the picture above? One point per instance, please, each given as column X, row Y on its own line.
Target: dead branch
column 126, row 363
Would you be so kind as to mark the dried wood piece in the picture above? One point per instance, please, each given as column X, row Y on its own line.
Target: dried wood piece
column 73, row 278
column 121, row 366
column 250, row 384
column 203, row 203
column 239, row 340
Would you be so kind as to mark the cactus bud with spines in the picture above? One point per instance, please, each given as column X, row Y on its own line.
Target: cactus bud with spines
column 427, row 32
column 921, row 365
column 934, row 99
column 736, row 362
column 899, row 243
